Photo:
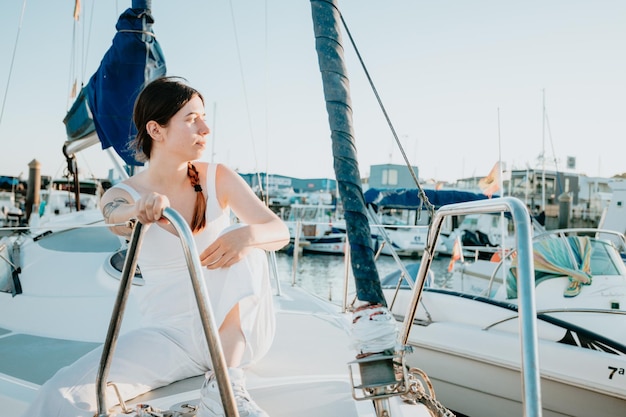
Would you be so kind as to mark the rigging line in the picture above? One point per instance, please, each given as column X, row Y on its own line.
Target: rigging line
column 88, row 46
column 71, row 83
column 243, row 82
column 81, row 48
column 422, row 194
column 17, row 37
column 267, row 144
column 556, row 166
column 66, row 227
column 500, row 179
column 551, row 143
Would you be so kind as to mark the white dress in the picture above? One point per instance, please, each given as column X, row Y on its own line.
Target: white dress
column 171, row 344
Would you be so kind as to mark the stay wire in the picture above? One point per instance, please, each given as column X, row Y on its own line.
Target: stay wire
column 17, row 37
column 245, row 93
column 422, row 194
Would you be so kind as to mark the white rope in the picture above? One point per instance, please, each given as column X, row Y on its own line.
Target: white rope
column 66, row 226
column 374, row 330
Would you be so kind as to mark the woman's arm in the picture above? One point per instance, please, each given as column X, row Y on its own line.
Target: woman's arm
column 118, row 207
column 262, row 228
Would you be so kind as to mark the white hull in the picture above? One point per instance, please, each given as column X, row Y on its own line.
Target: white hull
column 484, row 387
column 332, row 244
column 64, row 310
column 471, row 350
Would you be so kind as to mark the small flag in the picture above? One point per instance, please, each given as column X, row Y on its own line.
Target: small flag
column 491, row 183
column 77, row 10
column 457, row 253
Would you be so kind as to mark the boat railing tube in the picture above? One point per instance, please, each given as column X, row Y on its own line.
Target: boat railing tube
column 202, row 299
column 526, row 286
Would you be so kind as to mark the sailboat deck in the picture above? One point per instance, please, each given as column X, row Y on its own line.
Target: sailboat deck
column 301, row 375
column 304, row 374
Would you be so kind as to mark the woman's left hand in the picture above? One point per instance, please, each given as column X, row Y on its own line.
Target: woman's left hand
column 228, row 249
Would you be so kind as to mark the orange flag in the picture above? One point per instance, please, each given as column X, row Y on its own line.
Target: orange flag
column 491, row 183
column 457, row 253
column 77, row 10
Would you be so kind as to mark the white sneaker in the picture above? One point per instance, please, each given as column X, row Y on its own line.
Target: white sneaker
column 211, row 403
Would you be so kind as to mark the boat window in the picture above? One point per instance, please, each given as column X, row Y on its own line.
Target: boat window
column 603, row 259
column 390, row 177
column 469, row 223
column 6, row 272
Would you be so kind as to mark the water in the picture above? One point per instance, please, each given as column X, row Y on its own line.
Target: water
column 324, row 275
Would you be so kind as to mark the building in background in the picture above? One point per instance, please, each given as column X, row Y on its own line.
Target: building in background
column 392, row 176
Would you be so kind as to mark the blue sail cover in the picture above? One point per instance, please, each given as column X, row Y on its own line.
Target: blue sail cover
column 133, row 59
column 406, row 198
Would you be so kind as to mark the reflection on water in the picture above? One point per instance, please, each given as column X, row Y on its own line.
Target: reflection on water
column 323, row 275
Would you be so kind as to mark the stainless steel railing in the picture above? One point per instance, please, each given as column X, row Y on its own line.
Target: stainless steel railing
column 526, row 286
column 204, row 306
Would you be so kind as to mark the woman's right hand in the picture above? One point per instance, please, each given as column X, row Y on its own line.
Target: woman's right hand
column 150, row 207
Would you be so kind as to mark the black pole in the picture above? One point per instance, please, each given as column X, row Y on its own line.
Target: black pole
column 326, row 19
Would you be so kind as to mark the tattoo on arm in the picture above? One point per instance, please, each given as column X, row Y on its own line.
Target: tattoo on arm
column 110, row 207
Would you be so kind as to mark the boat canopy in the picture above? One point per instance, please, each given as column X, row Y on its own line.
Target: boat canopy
column 8, row 181
column 408, row 198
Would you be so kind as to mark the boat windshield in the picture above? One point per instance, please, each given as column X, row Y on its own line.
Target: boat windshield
column 7, row 283
column 577, row 257
column 605, row 259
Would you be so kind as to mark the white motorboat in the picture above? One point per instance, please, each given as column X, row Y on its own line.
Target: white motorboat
column 10, row 213
column 405, row 220
column 316, row 228
column 61, row 198
column 465, row 333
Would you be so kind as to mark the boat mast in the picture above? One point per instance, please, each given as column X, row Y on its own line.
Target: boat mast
column 326, row 18
column 543, row 152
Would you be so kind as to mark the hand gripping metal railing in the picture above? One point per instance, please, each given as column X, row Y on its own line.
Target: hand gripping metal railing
column 204, row 306
column 525, row 285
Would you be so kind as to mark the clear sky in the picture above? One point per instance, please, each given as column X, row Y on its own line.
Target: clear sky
column 463, row 82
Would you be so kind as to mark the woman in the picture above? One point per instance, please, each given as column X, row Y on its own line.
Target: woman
column 169, row 116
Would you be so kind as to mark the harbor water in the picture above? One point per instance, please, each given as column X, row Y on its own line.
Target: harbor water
column 324, row 275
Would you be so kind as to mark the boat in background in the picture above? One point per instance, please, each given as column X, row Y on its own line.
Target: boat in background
column 614, row 216
column 316, row 228
column 10, row 213
column 465, row 333
column 401, row 212
column 481, row 236
column 62, row 197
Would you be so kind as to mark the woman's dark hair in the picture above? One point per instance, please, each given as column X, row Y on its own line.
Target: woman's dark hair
column 160, row 100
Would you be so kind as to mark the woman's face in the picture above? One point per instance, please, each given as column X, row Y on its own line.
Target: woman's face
column 187, row 130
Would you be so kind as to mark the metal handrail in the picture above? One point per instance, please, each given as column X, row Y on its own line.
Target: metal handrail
column 204, row 306
column 527, row 305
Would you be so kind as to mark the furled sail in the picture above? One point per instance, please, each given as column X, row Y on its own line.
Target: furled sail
column 105, row 105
